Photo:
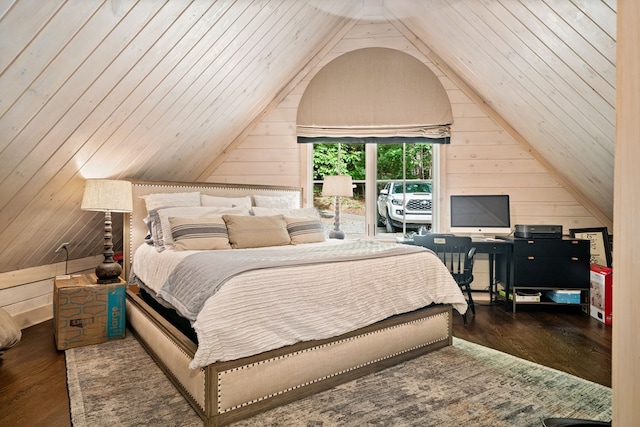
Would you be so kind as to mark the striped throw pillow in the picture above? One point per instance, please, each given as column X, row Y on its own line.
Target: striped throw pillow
column 201, row 233
column 305, row 229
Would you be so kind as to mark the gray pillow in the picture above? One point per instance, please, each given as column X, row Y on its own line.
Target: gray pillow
column 10, row 334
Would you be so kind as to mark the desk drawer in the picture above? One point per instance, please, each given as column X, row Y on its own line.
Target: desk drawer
column 545, row 247
column 545, row 271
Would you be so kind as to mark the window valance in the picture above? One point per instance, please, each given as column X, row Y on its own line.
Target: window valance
column 372, row 94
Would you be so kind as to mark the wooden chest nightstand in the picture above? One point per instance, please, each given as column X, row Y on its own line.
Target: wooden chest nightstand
column 86, row 313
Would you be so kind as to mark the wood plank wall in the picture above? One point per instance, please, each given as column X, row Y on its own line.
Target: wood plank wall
column 27, row 294
column 626, row 292
column 556, row 58
column 483, row 157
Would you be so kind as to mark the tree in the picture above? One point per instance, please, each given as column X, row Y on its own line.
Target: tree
column 325, row 160
column 418, row 160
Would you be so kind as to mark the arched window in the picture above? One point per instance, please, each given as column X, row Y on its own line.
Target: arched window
column 374, row 96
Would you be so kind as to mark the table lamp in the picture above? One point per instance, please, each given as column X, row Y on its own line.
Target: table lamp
column 107, row 196
column 337, row 186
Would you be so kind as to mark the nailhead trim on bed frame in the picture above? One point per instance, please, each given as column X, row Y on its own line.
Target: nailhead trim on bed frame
column 220, row 374
column 204, row 188
column 140, row 320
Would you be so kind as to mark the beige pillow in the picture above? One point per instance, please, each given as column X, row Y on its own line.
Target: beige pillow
column 202, row 233
column 305, row 229
column 256, row 231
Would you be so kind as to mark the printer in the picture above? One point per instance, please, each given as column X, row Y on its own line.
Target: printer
column 538, row 231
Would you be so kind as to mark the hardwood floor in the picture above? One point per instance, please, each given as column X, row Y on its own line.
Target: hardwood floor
column 33, row 381
column 559, row 337
column 33, row 376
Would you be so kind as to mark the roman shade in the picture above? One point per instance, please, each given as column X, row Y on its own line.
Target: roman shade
column 374, row 95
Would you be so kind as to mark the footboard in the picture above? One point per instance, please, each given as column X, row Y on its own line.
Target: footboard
column 220, row 393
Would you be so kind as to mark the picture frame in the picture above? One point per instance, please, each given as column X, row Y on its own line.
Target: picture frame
column 600, row 246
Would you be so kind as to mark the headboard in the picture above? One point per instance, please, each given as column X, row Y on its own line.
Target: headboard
column 135, row 230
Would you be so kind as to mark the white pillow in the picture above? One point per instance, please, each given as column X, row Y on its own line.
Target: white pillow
column 162, row 238
column 167, row 200
column 281, row 202
column 10, row 333
column 225, row 202
column 258, row 211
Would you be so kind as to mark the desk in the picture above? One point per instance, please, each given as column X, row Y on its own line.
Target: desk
column 495, row 247
column 545, row 264
column 492, row 247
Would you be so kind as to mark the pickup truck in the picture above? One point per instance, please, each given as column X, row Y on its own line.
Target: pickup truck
column 414, row 207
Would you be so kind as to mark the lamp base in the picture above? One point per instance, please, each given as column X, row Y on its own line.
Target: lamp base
column 336, row 234
column 108, row 272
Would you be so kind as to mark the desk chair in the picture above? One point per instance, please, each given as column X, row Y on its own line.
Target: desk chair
column 457, row 253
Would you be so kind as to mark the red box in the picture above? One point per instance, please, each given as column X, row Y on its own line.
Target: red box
column 601, row 295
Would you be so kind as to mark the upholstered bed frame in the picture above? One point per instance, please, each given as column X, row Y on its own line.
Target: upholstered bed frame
column 228, row 391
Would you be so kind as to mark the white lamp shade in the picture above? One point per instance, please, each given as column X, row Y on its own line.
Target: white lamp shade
column 337, row 185
column 107, row 195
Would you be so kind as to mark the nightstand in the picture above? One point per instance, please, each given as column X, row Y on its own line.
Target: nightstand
column 86, row 313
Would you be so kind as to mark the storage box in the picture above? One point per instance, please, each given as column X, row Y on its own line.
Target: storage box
column 564, row 296
column 86, row 313
column 528, row 296
column 522, row 296
column 601, row 295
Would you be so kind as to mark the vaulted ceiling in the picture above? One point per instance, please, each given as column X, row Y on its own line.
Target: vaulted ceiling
column 158, row 89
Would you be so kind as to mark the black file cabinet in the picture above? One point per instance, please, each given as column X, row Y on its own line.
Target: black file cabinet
column 544, row 264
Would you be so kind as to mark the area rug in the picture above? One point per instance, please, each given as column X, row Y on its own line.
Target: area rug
column 117, row 384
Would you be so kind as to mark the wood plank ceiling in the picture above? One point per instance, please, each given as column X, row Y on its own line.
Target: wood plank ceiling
column 546, row 67
column 157, row 89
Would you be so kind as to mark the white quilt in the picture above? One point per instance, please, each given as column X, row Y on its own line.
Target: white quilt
column 264, row 309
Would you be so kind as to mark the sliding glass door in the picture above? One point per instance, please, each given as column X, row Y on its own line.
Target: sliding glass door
column 341, row 159
column 405, row 188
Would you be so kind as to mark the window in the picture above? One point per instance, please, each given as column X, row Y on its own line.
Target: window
column 377, row 167
column 383, row 100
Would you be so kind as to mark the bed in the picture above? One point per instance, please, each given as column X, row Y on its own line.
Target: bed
column 284, row 320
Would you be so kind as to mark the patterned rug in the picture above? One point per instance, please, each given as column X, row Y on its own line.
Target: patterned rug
column 117, row 383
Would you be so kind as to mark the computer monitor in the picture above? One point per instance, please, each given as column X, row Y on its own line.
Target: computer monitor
column 480, row 215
